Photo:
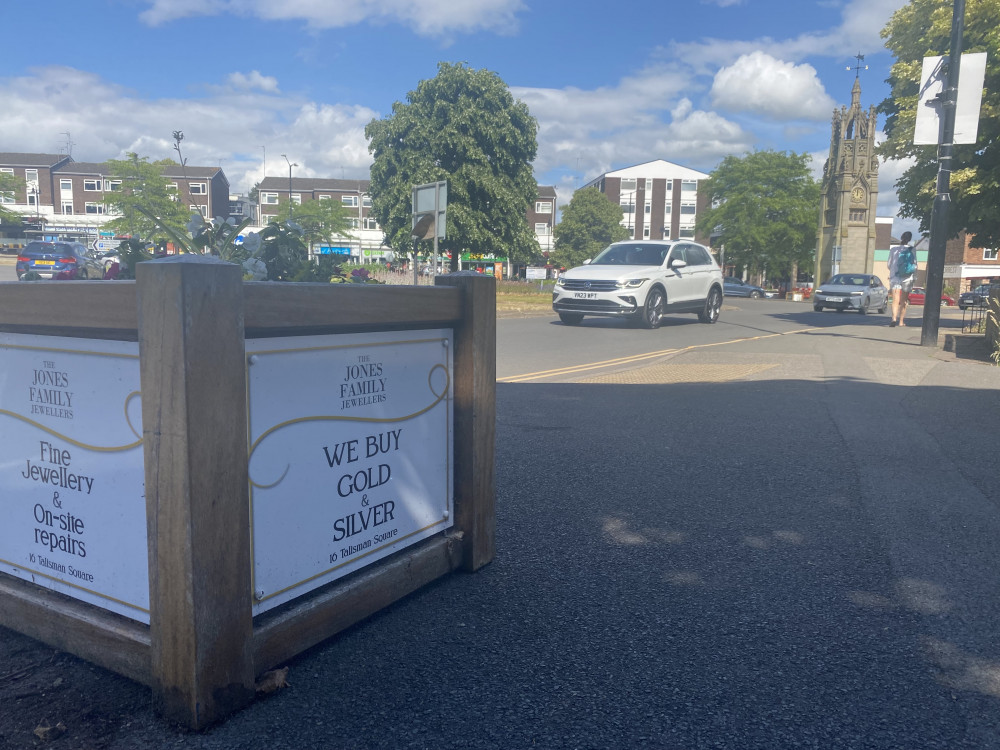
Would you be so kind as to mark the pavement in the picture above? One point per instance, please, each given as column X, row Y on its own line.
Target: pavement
column 784, row 542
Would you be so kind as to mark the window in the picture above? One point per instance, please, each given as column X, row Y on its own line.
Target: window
column 31, row 176
column 349, row 200
column 203, row 210
column 7, row 197
column 32, row 197
column 8, row 170
column 67, row 207
column 648, row 209
column 628, row 183
column 687, row 209
column 92, row 186
column 66, row 185
column 543, row 207
column 857, row 215
column 324, row 197
column 198, row 188
column 698, row 256
column 112, row 185
column 369, row 223
column 355, row 222
column 687, row 233
column 649, row 185
column 269, row 199
column 297, row 199
column 645, row 232
column 542, row 230
column 366, row 201
column 235, row 209
column 689, row 186
column 93, row 208
column 989, row 254
column 668, row 210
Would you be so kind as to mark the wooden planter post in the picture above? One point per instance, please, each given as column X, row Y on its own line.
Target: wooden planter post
column 475, row 416
column 194, row 415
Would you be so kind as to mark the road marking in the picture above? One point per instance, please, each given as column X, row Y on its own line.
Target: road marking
column 544, row 374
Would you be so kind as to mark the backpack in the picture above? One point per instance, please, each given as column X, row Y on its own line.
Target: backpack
column 906, row 263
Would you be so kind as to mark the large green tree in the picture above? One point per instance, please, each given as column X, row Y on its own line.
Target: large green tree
column 921, row 29
column 463, row 126
column 321, row 220
column 144, row 193
column 10, row 186
column 763, row 208
column 590, row 222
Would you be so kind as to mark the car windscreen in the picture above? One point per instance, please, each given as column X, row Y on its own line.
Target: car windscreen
column 632, row 255
column 843, row 279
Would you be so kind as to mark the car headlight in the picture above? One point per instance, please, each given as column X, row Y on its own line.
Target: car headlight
column 561, row 281
column 856, row 294
column 630, row 283
column 820, row 291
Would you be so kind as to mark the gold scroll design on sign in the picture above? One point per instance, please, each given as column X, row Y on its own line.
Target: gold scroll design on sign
column 438, row 398
column 80, row 443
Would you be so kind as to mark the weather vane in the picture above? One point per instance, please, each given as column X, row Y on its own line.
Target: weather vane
column 859, row 67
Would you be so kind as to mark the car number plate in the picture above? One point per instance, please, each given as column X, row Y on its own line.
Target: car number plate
column 834, row 299
column 45, row 262
column 585, row 295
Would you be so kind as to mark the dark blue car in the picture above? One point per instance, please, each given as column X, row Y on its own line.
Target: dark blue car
column 59, row 260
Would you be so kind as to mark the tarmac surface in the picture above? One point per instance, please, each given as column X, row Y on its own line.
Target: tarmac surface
column 784, row 543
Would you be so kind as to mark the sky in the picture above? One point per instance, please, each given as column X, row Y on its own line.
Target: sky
column 611, row 85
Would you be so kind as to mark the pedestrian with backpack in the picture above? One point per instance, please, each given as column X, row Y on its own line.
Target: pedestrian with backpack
column 902, row 272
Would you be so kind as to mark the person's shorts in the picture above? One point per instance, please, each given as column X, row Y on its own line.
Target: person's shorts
column 905, row 284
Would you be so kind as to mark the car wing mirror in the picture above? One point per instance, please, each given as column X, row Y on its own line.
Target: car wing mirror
column 678, row 263
column 586, row 262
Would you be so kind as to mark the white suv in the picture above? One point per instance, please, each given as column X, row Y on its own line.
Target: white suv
column 642, row 280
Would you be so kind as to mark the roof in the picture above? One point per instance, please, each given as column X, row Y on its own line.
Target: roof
column 547, row 191
column 167, row 170
column 659, row 168
column 32, row 160
column 309, row 184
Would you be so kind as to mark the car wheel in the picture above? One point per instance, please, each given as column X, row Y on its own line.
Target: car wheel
column 863, row 309
column 712, row 307
column 571, row 319
column 818, row 308
column 885, row 306
column 652, row 311
column 754, row 295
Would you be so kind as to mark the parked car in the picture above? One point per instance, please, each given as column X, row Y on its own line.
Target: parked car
column 918, row 295
column 642, row 281
column 852, row 291
column 59, row 260
column 734, row 287
column 974, row 297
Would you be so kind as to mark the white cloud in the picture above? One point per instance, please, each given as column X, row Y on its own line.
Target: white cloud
column 226, row 126
column 861, row 24
column 253, row 80
column 780, row 90
column 425, row 17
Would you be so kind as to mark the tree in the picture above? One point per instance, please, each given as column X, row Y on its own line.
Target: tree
column 590, row 222
column 764, row 207
column 463, row 126
column 143, row 186
column 923, row 28
column 9, row 188
column 321, row 220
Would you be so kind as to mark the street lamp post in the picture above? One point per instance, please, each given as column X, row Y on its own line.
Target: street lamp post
column 290, row 165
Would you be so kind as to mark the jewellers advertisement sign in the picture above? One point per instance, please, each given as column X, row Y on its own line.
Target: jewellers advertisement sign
column 72, row 497
column 350, row 453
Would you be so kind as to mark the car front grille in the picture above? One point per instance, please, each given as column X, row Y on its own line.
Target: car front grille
column 585, row 285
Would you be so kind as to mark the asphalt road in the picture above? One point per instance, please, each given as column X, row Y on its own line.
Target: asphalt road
column 782, row 540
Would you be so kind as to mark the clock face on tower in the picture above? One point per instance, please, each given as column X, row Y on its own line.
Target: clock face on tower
column 858, row 194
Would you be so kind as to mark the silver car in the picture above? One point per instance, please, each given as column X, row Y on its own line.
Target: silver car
column 852, row 291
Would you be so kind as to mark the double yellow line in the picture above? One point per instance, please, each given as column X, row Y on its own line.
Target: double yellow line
column 543, row 374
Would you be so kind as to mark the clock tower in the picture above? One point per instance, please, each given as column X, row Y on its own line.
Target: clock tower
column 849, row 192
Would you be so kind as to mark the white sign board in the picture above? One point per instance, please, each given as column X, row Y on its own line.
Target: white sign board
column 350, row 453
column 971, row 75
column 72, row 499
column 532, row 273
column 431, row 199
